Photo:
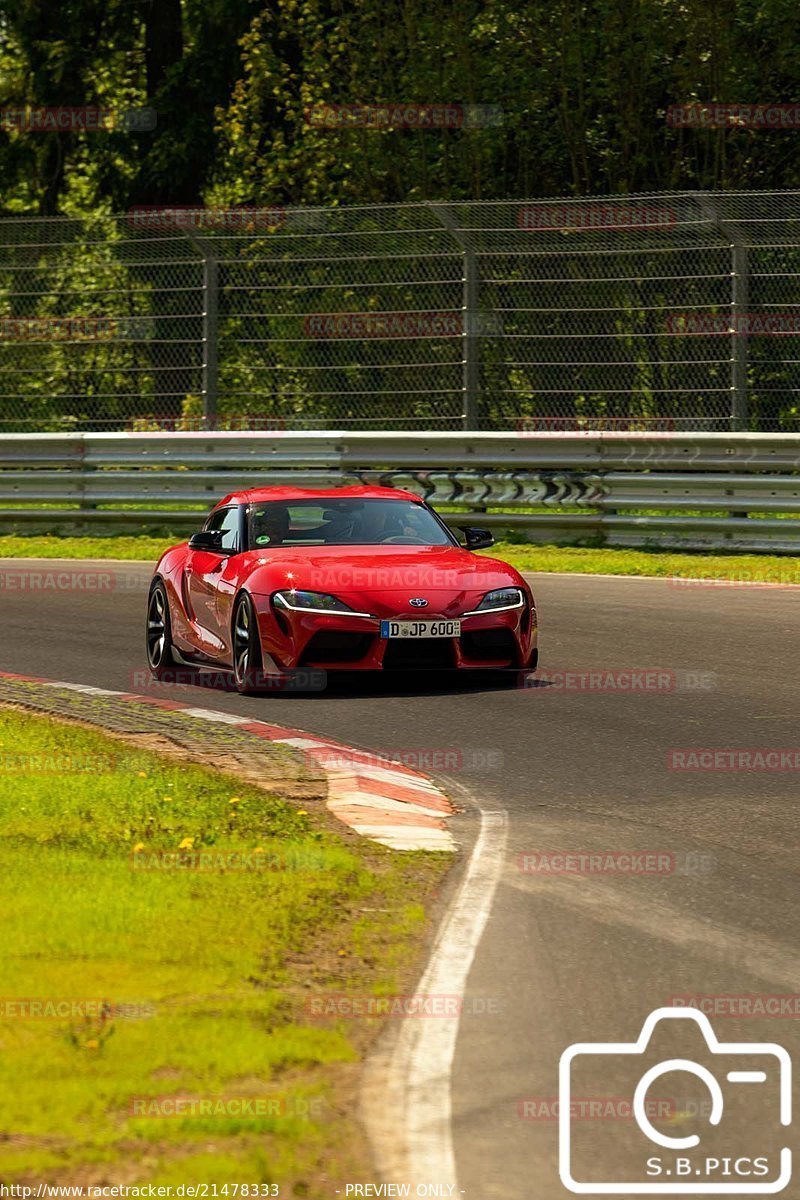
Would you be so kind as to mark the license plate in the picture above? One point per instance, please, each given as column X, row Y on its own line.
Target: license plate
column 420, row 629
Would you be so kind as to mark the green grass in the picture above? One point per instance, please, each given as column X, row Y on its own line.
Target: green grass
column 139, row 547
column 756, row 568
column 215, row 967
column 526, row 557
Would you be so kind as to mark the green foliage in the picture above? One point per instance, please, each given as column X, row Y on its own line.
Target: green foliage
column 584, row 89
column 584, row 86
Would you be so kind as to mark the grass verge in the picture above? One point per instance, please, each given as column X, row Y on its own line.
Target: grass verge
column 139, row 548
column 137, row 984
column 570, row 560
column 756, row 568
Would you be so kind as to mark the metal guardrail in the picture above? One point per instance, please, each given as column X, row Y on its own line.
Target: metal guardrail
column 695, row 490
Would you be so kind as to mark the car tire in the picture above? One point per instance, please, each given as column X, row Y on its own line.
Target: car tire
column 158, row 645
column 246, row 648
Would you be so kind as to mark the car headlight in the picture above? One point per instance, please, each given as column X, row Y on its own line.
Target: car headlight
column 314, row 602
column 500, row 600
column 311, row 601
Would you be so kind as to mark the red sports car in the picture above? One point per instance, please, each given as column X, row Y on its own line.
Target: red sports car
column 350, row 578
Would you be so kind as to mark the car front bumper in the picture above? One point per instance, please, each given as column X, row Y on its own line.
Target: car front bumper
column 338, row 641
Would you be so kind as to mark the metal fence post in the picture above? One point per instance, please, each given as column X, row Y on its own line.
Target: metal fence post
column 738, row 306
column 210, row 369
column 470, row 343
column 739, row 338
column 210, row 337
column 470, row 380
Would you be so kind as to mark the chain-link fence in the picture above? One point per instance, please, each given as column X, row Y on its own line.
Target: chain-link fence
column 661, row 311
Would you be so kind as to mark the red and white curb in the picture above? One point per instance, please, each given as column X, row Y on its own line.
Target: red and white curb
column 387, row 802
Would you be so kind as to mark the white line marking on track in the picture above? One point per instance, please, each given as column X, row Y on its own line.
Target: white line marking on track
column 404, row 837
column 83, row 688
column 357, row 796
column 408, row 1098
column 387, row 775
column 304, row 743
column 209, row 714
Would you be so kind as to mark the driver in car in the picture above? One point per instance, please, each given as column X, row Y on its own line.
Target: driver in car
column 406, row 526
column 270, row 526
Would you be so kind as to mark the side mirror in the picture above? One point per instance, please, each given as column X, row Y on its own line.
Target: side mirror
column 206, row 539
column 477, row 539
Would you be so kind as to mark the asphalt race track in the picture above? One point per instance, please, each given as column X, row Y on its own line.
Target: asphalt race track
column 583, row 954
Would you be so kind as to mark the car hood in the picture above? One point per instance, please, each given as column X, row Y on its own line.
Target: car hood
column 445, row 576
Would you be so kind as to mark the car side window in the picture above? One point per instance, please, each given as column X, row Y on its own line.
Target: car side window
column 227, row 520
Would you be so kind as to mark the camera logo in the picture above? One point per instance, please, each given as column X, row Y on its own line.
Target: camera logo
column 749, row 1078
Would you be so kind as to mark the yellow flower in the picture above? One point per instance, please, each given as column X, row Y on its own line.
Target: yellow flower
column 168, row 798
column 259, row 850
column 301, row 812
column 186, row 844
column 342, row 954
column 234, row 800
column 137, row 849
column 92, row 1044
column 142, row 774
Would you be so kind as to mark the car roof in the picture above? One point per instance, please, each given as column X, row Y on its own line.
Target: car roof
column 362, row 491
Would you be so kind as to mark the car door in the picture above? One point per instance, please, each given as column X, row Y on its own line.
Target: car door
column 203, row 578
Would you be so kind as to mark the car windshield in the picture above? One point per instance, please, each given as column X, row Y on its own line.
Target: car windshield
column 347, row 522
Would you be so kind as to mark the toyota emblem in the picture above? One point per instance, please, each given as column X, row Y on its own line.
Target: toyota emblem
column 418, row 602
